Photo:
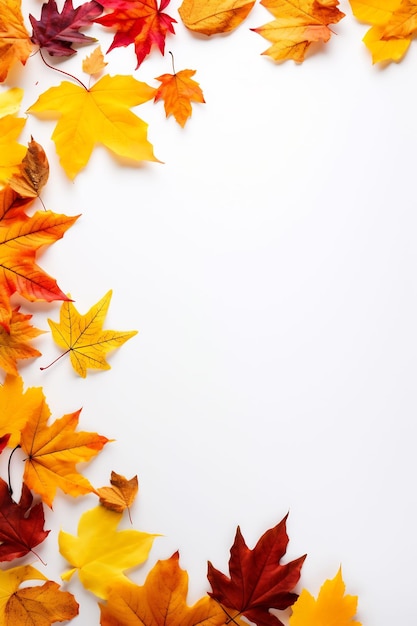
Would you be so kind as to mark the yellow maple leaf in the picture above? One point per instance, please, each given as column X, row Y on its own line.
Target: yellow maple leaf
column 162, row 601
column 16, row 406
column 52, row 452
column 297, row 24
column 83, row 337
column 101, row 553
column 15, row 43
column 11, row 152
column 177, row 91
column 41, row 605
column 216, row 16
column 331, row 607
column 99, row 115
column 393, row 23
column 14, row 343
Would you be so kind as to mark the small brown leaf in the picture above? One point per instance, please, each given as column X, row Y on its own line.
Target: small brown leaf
column 33, row 172
column 120, row 495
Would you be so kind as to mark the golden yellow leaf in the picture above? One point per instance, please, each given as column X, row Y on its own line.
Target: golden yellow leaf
column 297, row 24
column 331, row 607
column 53, row 451
column 11, row 152
column 216, row 16
column 14, row 344
column 99, row 115
column 101, row 553
column 33, row 172
column 10, row 101
column 15, row 43
column 94, row 63
column 120, row 495
column 16, row 406
column 83, row 337
column 41, row 605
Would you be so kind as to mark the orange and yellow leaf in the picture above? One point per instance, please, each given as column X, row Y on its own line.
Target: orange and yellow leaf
column 216, row 16
column 177, row 92
column 15, row 343
column 15, row 43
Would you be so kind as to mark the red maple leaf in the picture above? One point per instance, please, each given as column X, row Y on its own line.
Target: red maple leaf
column 258, row 581
column 21, row 524
column 56, row 32
column 140, row 22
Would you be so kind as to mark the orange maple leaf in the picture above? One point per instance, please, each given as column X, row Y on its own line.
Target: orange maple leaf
column 41, row 605
column 14, row 344
column 16, row 406
column 15, row 43
column 177, row 91
column 120, row 495
column 140, row 22
column 53, row 452
column 21, row 237
column 297, row 24
column 216, row 16
column 161, row 601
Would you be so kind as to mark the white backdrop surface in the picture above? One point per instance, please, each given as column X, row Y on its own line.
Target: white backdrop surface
column 269, row 265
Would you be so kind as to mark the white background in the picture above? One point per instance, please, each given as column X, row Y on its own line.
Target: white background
column 269, row 266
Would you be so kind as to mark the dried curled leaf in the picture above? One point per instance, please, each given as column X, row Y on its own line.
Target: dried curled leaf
column 33, row 172
column 120, row 495
column 216, row 16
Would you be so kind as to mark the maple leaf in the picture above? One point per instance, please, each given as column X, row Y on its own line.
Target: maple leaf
column 297, row 24
column 33, row 172
column 393, row 24
column 177, row 91
column 21, row 237
column 99, row 115
column 94, row 63
column 57, row 32
column 15, row 44
column 120, row 495
column 53, row 452
column 101, row 553
column 83, row 337
column 161, row 601
column 258, row 581
column 11, row 152
column 21, row 524
column 41, row 605
column 14, row 344
column 138, row 22
column 217, row 16
column 16, row 407
column 331, row 607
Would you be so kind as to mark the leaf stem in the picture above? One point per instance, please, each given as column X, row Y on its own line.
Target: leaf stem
column 38, row 557
column 8, row 469
column 172, row 59
column 61, row 71
column 55, row 360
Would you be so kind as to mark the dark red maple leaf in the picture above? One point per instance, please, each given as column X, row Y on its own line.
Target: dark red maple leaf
column 56, row 32
column 258, row 581
column 138, row 22
column 21, row 524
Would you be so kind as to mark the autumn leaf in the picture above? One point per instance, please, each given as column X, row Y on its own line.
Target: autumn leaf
column 394, row 23
column 56, row 32
column 15, row 44
column 53, row 451
column 33, row 172
column 41, row 605
column 297, row 24
column 258, row 581
column 138, row 22
column 101, row 553
column 16, row 406
column 161, row 601
column 21, row 524
column 4, row 440
column 331, row 607
column 83, row 337
column 120, row 495
column 14, row 345
column 177, row 91
column 11, row 152
column 217, row 16
column 99, row 115
column 94, row 63
column 21, row 237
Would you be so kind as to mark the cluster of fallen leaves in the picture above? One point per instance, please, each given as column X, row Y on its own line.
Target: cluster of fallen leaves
column 260, row 583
